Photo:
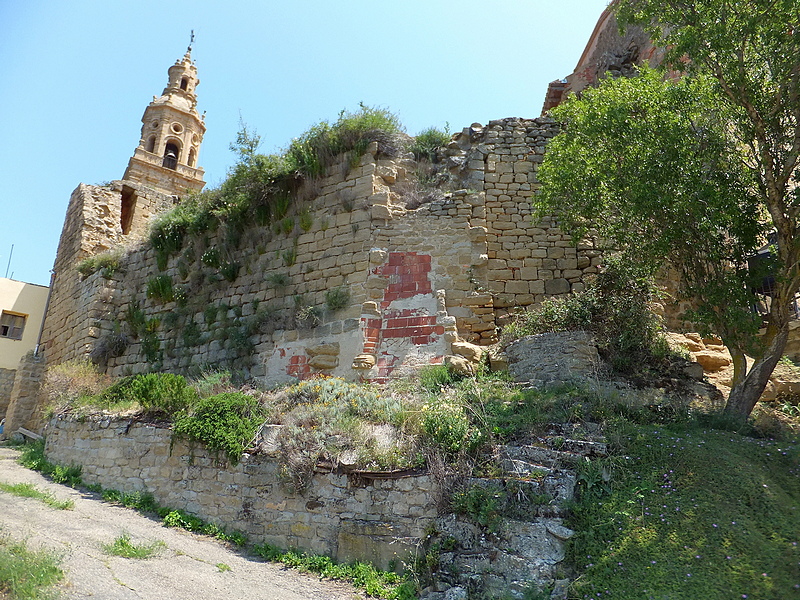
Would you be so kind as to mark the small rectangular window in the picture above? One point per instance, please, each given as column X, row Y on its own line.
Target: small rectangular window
column 12, row 325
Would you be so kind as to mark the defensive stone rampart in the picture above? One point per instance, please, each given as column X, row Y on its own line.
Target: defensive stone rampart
column 415, row 271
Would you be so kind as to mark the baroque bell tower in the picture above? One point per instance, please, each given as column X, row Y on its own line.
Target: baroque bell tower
column 172, row 131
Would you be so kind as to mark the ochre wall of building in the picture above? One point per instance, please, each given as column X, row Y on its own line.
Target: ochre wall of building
column 26, row 299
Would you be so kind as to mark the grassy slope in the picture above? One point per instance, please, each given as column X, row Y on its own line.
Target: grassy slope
column 694, row 514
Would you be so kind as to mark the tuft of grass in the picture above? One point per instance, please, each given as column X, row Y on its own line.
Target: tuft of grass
column 223, row 568
column 27, row 574
column 337, row 298
column 143, row 502
column 28, row 490
column 278, row 280
column 306, row 220
column 124, row 547
column 160, row 288
column 183, row 520
column 378, row 584
column 107, row 263
column 32, row 457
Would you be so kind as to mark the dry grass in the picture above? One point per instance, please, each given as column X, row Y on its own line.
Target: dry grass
column 66, row 384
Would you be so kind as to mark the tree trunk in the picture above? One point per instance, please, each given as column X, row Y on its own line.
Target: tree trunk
column 747, row 391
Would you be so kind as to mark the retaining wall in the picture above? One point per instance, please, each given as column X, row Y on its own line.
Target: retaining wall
column 347, row 518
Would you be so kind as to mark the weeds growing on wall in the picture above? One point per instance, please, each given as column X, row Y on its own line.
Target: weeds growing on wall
column 428, row 142
column 107, row 263
column 616, row 308
column 160, row 288
column 259, row 188
column 331, row 418
column 337, row 298
column 158, row 394
column 66, row 384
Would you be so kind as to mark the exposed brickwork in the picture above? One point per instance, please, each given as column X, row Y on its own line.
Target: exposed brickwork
column 407, row 273
column 298, row 367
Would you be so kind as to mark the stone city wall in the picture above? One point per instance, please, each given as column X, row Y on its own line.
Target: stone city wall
column 347, row 518
column 93, row 224
column 24, row 406
column 419, row 275
column 6, row 384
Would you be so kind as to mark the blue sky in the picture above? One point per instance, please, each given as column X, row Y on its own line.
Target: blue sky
column 76, row 76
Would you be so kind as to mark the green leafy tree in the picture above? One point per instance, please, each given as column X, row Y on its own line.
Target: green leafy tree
column 697, row 171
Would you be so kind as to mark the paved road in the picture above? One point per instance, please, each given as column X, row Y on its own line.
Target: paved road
column 185, row 569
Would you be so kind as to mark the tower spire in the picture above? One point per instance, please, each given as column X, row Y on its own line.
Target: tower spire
column 166, row 157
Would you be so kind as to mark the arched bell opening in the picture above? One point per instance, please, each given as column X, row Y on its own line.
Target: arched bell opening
column 171, row 154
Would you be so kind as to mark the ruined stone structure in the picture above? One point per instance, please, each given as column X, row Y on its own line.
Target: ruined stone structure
column 24, row 408
column 379, row 517
column 607, row 54
column 423, row 283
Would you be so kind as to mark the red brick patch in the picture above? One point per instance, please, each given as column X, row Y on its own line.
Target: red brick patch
column 407, row 274
column 298, row 367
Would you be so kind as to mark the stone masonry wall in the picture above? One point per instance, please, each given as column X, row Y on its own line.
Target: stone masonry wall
column 346, row 518
column 6, row 384
column 25, row 401
column 526, row 261
column 93, row 224
column 419, row 278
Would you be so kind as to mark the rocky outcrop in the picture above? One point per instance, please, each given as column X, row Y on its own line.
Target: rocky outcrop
column 718, row 366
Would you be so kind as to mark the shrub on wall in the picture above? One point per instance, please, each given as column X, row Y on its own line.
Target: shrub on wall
column 337, row 298
column 428, row 142
column 226, row 423
column 165, row 394
column 615, row 307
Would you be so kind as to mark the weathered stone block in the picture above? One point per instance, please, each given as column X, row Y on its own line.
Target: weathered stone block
column 556, row 286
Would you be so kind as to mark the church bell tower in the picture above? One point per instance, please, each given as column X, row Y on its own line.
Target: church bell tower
column 166, row 158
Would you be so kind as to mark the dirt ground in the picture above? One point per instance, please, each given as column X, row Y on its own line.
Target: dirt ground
column 186, row 568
